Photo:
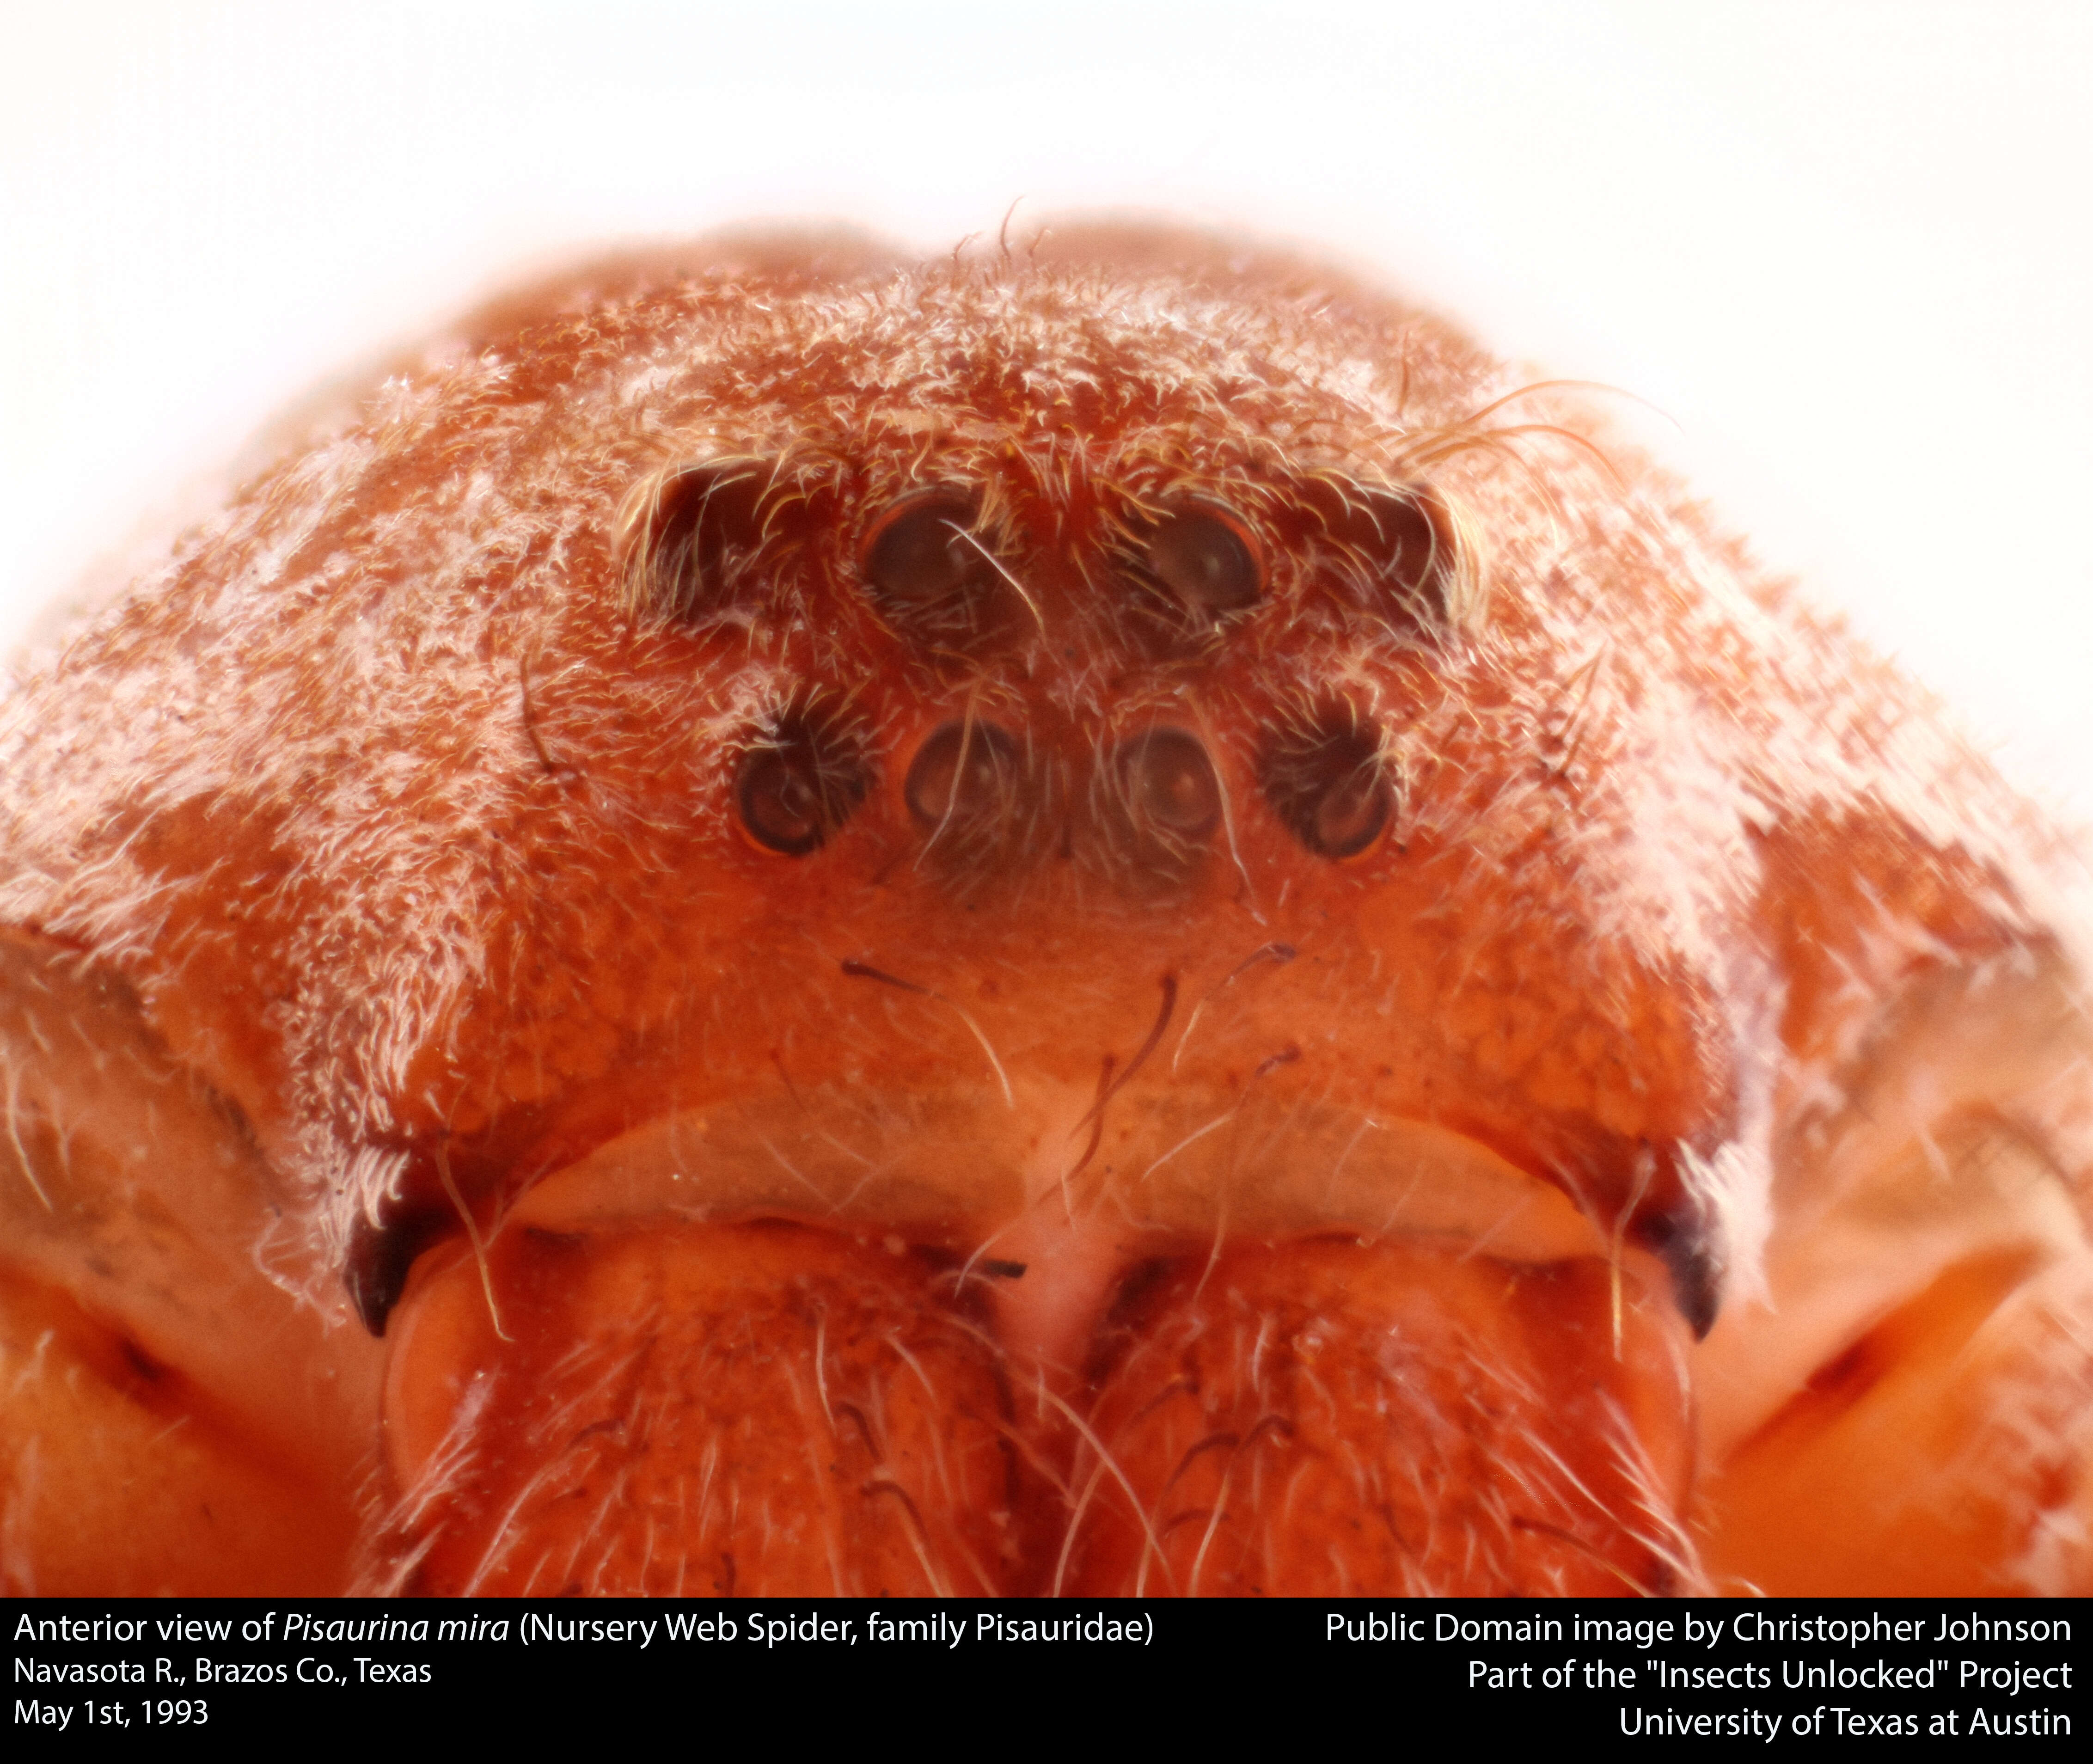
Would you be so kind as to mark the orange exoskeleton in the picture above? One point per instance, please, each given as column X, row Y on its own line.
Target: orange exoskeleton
column 1102, row 917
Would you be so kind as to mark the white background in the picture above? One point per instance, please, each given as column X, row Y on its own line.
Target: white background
column 1843, row 248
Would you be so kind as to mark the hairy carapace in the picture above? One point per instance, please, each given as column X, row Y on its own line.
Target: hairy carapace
column 1099, row 916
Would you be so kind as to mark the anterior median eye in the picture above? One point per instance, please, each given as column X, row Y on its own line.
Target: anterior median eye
column 1158, row 804
column 1168, row 785
column 970, row 773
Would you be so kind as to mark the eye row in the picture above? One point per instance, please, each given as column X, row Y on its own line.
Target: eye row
column 973, row 782
column 926, row 564
column 697, row 540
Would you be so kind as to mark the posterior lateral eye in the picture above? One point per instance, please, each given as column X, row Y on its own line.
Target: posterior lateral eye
column 683, row 536
column 1400, row 553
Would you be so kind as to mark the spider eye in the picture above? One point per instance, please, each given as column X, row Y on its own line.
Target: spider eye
column 1169, row 786
column 799, row 786
column 969, row 774
column 1331, row 787
column 684, row 536
column 923, row 563
column 1207, row 560
column 1400, row 553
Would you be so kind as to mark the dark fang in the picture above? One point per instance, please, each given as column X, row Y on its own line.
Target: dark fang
column 379, row 1258
column 1690, row 1255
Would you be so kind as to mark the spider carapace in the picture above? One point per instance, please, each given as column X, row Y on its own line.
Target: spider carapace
column 1097, row 917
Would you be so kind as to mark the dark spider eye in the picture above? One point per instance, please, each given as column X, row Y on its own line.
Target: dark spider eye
column 1398, row 552
column 1207, row 560
column 923, row 563
column 1331, row 787
column 799, row 787
column 967, row 775
column 683, row 536
column 1168, row 787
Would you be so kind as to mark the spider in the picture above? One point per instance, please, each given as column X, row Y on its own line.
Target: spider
column 1096, row 916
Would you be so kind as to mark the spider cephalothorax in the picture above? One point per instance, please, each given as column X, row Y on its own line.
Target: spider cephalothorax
column 1106, row 917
